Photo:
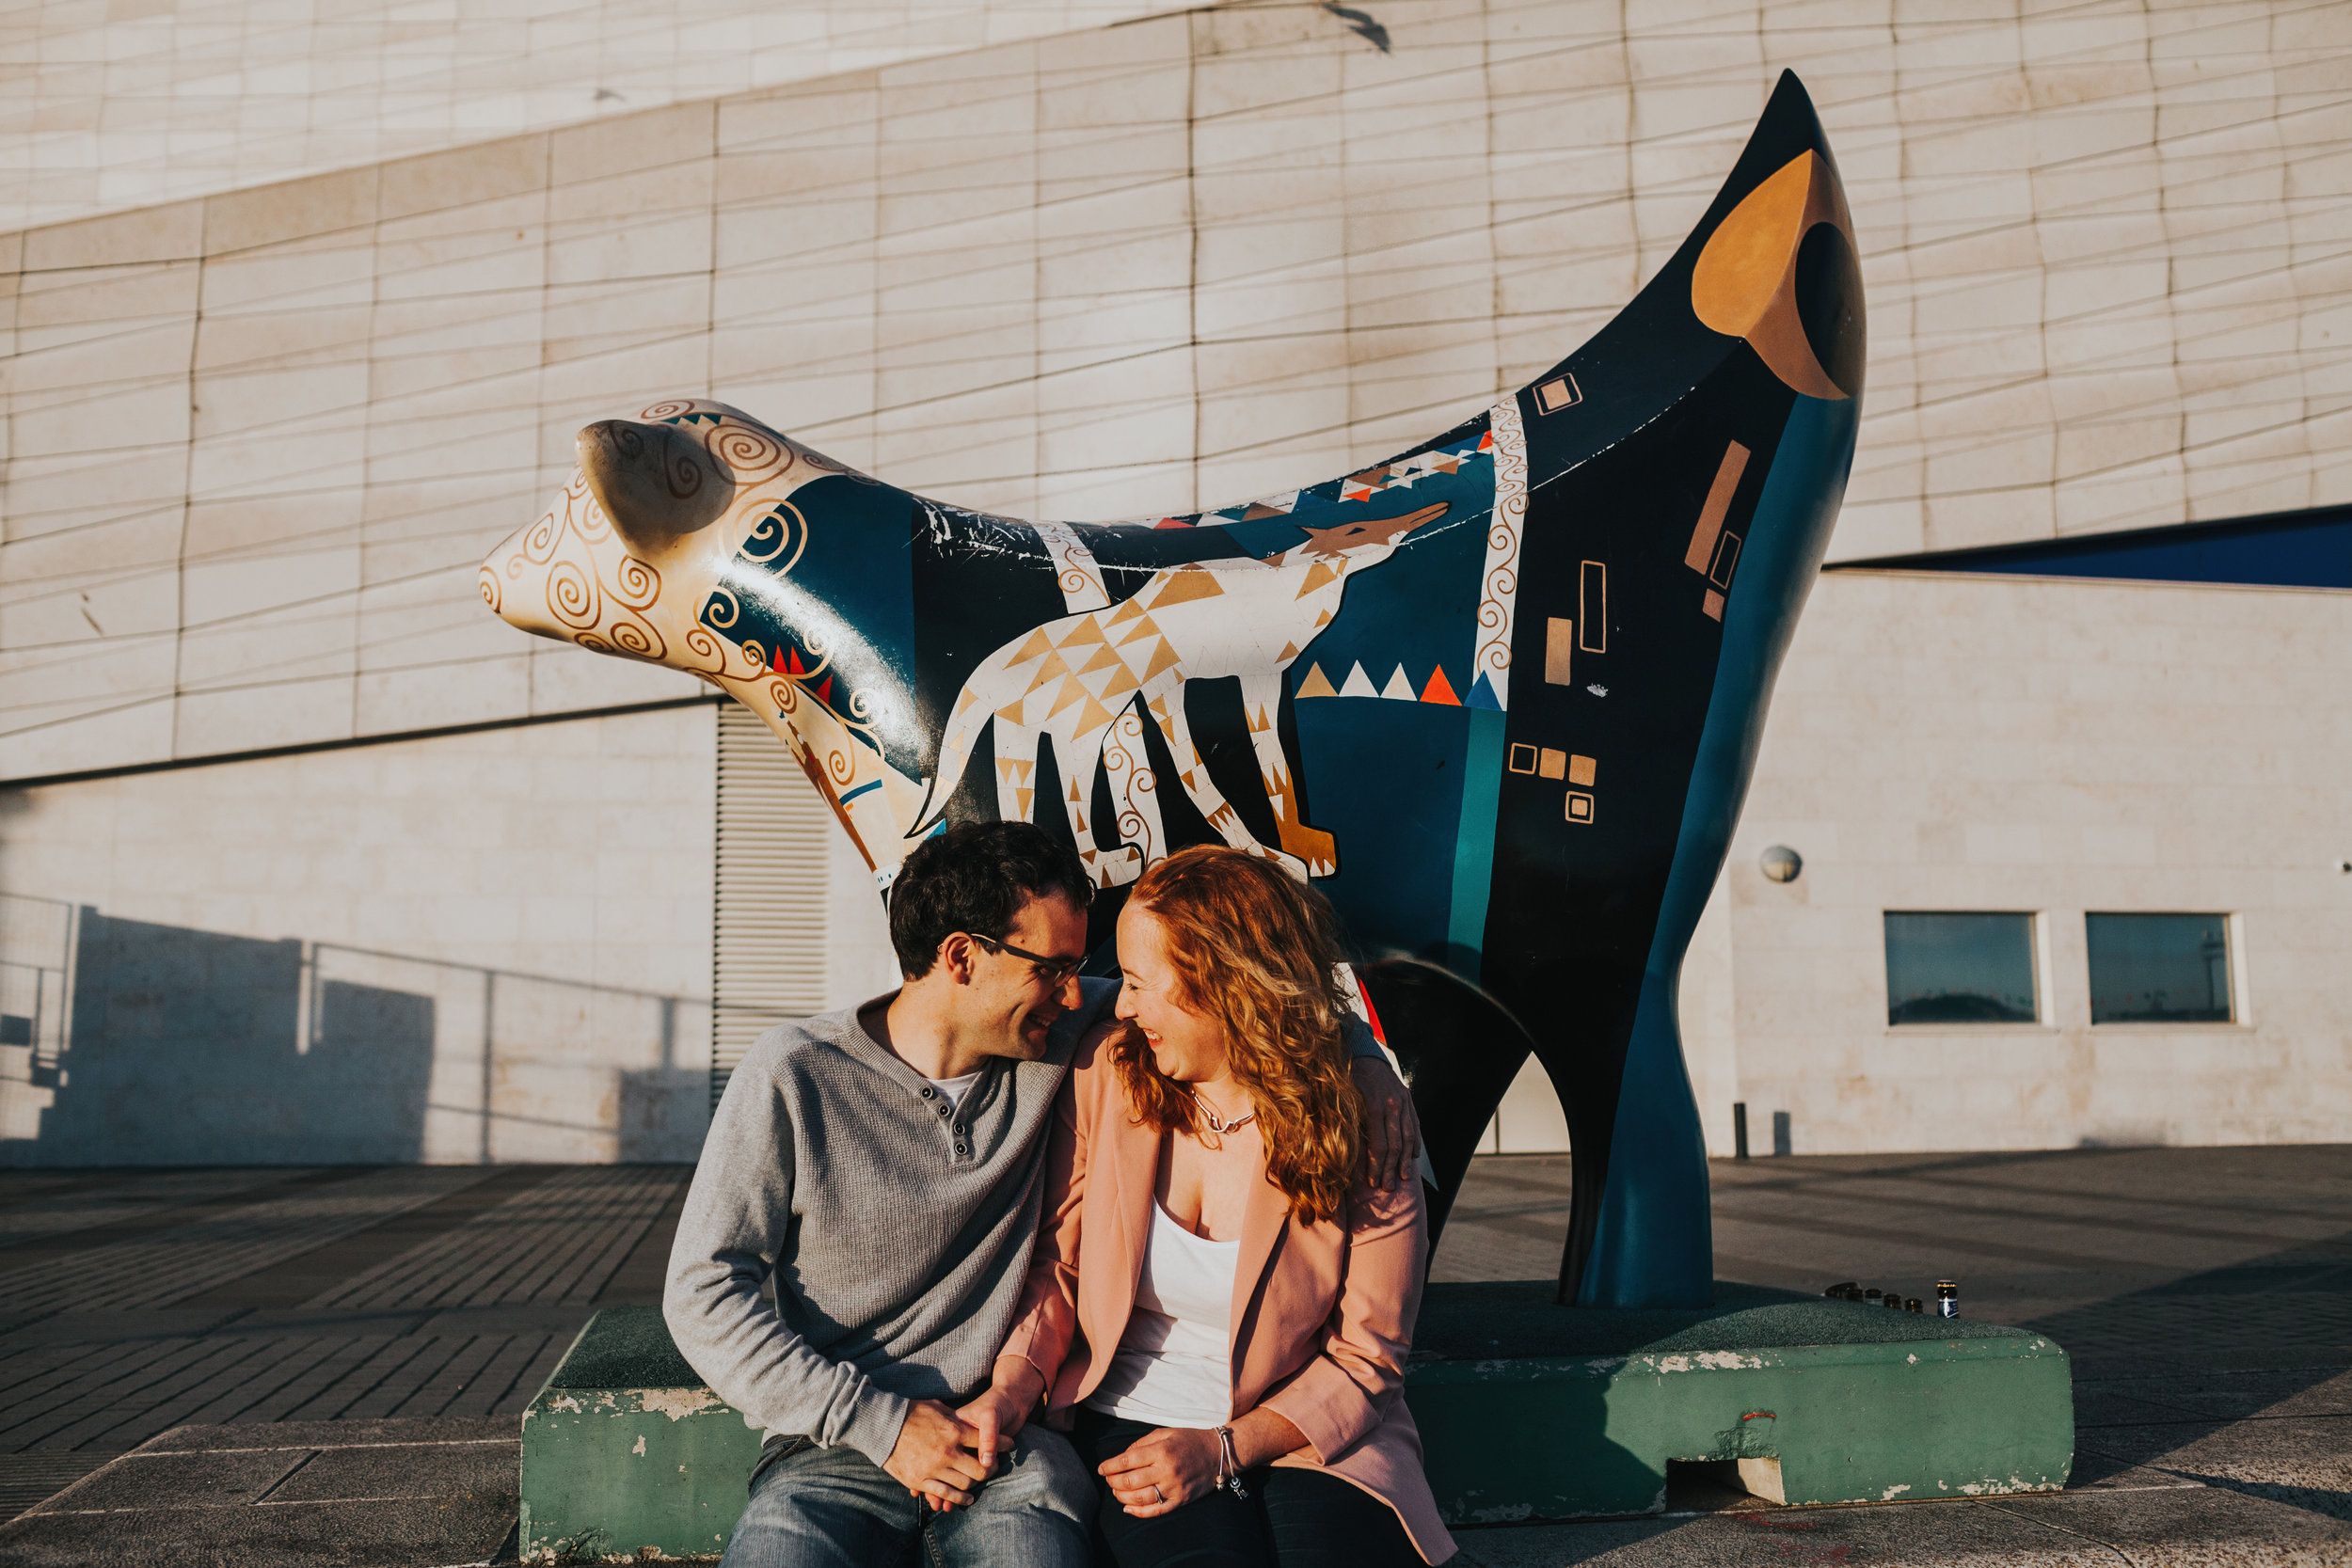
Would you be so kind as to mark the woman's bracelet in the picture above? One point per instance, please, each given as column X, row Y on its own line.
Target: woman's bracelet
column 1229, row 1464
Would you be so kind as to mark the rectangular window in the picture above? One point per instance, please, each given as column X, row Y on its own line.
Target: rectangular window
column 1959, row 968
column 2159, row 968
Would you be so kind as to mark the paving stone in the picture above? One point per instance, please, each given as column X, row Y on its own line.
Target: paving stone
column 404, row 1470
column 29, row 1479
column 2236, row 1395
column 319, row 1435
column 152, row 1480
column 1932, row 1535
column 402, row 1534
column 2303, row 1461
column 2193, row 1526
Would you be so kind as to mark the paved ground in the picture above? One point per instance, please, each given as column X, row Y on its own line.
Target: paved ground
column 323, row 1366
column 2204, row 1295
column 375, row 1305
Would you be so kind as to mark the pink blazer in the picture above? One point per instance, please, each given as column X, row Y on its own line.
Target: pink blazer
column 1323, row 1316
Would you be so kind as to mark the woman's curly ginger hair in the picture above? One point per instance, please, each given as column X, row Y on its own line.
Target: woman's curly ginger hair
column 1258, row 952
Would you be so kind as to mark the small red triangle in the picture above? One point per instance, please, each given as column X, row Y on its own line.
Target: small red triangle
column 824, row 692
column 796, row 670
column 1439, row 689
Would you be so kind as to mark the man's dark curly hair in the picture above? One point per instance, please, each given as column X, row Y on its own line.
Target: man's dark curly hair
column 974, row 878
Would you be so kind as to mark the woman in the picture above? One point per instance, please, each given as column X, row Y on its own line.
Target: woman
column 1220, row 1304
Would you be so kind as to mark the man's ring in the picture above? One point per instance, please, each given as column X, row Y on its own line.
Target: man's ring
column 1158, row 1495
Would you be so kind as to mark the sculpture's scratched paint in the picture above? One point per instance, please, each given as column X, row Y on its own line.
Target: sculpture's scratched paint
column 1499, row 696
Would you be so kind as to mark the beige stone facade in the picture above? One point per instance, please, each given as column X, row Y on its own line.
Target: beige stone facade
column 260, row 429
column 1975, row 742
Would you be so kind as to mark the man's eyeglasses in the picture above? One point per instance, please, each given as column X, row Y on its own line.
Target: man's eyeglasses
column 1054, row 972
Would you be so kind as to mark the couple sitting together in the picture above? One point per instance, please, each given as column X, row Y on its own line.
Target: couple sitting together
column 1057, row 1271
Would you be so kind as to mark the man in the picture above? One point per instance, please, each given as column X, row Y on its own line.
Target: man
column 884, row 1165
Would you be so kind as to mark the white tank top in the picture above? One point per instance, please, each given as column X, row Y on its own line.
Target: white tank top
column 1175, row 1365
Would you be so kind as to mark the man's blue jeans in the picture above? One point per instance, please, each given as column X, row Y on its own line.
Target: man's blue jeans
column 834, row 1507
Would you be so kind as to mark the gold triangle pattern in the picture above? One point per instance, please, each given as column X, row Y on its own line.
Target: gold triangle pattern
column 1190, row 583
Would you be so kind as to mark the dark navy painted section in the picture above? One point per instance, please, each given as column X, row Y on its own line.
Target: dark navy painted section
column 2279, row 549
column 1654, row 1246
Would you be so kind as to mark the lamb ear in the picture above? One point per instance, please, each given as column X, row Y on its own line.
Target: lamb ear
column 655, row 483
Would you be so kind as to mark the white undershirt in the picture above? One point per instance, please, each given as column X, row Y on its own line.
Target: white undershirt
column 1175, row 1365
column 953, row 1088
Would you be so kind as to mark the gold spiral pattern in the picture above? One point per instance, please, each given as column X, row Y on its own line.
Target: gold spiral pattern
column 539, row 540
column 635, row 584
column 591, row 642
column 781, row 527
column 637, row 637
column 670, row 409
column 721, row 608
column 710, row 656
column 488, row 581
column 1500, row 596
column 753, row 454
column 588, row 517
column 571, row 594
column 821, row 657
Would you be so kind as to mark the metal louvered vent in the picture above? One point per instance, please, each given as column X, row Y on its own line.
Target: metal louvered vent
column 767, row 960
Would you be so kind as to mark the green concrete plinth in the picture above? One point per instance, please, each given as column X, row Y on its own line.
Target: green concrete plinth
column 1527, row 1410
column 1531, row 1411
column 624, row 1449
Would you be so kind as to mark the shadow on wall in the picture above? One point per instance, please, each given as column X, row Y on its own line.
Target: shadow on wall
column 133, row 1043
column 188, row 1044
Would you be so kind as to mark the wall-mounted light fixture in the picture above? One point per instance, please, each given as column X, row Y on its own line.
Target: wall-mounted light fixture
column 1781, row 864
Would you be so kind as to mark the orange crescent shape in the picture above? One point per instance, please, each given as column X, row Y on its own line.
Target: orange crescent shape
column 1745, row 283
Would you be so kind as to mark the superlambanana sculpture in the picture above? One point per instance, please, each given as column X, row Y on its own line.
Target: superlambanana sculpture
column 1499, row 696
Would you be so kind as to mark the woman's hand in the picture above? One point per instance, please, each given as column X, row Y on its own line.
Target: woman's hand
column 1392, row 1132
column 1163, row 1471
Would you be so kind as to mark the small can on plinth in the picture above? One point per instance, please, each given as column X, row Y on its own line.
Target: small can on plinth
column 1947, row 1298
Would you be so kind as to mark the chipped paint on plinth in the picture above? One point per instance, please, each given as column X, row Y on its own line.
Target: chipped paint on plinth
column 564, row 1403
column 1510, row 1514
column 678, row 1404
column 639, row 1449
column 1708, row 1361
column 1893, row 1492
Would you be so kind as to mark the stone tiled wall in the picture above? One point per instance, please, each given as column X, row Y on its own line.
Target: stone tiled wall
column 256, row 440
column 1960, row 742
column 257, row 435
column 493, row 946
column 135, row 102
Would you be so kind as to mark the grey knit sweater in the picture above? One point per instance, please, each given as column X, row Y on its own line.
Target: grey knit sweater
column 898, row 1230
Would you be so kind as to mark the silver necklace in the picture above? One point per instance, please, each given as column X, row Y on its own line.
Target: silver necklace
column 1216, row 1123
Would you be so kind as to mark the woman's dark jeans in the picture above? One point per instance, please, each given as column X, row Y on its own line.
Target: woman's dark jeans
column 1293, row 1518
